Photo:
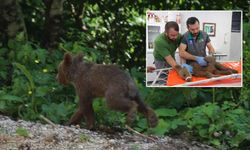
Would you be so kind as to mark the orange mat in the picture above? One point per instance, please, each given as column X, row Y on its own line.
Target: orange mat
column 175, row 79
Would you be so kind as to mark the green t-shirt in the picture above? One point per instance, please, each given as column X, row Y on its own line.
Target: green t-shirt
column 164, row 46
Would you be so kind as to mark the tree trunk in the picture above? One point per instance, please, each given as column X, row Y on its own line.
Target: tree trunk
column 11, row 20
column 77, row 10
column 11, row 23
column 53, row 23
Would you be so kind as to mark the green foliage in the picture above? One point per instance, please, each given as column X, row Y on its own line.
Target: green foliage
column 58, row 113
column 22, row 132
column 135, row 147
column 27, row 75
column 224, row 126
column 33, row 86
column 218, row 124
column 83, row 138
column 107, row 116
column 3, row 63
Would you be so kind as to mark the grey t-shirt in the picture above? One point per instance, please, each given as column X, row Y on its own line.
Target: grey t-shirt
column 196, row 47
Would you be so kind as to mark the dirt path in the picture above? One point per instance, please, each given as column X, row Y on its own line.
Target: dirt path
column 36, row 136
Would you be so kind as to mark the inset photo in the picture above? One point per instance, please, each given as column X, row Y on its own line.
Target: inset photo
column 194, row 48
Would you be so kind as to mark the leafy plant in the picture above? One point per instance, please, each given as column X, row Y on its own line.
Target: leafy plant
column 223, row 126
column 22, row 132
column 106, row 116
column 83, row 138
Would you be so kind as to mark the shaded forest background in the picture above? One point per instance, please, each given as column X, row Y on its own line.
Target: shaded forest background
column 35, row 34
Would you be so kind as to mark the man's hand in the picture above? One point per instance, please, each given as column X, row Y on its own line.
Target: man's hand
column 201, row 61
column 188, row 67
column 150, row 69
column 212, row 54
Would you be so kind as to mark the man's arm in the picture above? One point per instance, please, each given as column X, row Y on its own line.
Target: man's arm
column 183, row 72
column 170, row 60
column 184, row 54
column 210, row 48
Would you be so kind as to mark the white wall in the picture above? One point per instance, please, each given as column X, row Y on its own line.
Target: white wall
column 235, row 47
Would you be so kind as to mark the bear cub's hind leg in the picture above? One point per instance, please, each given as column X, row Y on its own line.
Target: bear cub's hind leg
column 120, row 103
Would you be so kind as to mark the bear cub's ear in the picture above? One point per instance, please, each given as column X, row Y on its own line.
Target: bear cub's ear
column 79, row 57
column 67, row 58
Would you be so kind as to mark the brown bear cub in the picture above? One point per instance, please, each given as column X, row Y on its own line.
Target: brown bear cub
column 183, row 73
column 96, row 80
column 213, row 69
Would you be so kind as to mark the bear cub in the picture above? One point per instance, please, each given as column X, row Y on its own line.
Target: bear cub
column 213, row 69
column 92, row 80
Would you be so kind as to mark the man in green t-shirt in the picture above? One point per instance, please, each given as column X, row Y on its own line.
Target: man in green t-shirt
column 165, row 46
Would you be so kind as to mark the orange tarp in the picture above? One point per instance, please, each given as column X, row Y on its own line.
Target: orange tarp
column 175, row 79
